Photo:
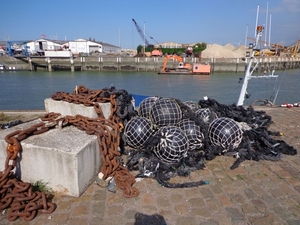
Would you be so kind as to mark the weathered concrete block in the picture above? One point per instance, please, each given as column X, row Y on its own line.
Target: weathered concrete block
column 67, row 160
column 66, row 108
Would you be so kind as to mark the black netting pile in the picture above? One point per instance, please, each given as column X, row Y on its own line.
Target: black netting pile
column 169, row 137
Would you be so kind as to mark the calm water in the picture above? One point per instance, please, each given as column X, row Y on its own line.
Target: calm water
column 27, row 90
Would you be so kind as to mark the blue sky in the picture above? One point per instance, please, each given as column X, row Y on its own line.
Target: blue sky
column 188, row 21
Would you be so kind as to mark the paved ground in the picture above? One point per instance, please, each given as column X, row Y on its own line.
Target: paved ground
column 258, row 193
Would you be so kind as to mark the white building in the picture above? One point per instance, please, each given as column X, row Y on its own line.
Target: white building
column 42, row 45
column 82, row 46
column 79, row 46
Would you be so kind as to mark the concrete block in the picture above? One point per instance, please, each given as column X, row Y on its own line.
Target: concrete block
column 67, row 160
column 66, row 108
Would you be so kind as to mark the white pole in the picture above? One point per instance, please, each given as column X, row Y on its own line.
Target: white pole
column 119, row 38
column 256, row 22
column 266, row 30
column 144, row 38
column 246, row 35
column 248, row 72
column 270, row 30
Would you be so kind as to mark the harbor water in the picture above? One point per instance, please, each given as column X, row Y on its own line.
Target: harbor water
column 26, row 90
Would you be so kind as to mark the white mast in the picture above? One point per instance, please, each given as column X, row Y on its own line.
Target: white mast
column 266, row 30
column 119, row 38
column 256, row 22
column 144, row 38
column 270, row 30
column 248, row 72
column 246, row 35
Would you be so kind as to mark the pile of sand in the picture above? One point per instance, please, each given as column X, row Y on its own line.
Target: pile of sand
column 226, row 51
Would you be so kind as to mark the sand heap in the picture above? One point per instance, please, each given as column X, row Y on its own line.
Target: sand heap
column 226, row 51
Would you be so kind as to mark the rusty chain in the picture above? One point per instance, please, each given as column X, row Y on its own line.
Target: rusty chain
column 107, row 131
column 19, row 196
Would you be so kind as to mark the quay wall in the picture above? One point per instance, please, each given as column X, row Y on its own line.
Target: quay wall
column 142, row 64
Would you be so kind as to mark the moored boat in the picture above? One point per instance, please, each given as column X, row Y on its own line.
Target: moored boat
column 184, row 68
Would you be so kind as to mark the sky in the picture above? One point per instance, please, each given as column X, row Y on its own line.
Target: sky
column 182, row 21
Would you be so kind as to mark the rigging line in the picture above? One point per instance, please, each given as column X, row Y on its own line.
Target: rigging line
column 274, row 90
column 272, row 70
column 279, row 87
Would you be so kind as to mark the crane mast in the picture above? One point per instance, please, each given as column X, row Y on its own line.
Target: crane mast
column 141, row 33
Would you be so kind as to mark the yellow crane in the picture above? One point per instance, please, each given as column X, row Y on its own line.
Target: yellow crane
column 296, row 49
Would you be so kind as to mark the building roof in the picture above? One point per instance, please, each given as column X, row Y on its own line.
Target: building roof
column 61, row 42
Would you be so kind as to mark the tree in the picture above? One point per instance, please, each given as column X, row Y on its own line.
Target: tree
column 139, row 48
column 199, row 47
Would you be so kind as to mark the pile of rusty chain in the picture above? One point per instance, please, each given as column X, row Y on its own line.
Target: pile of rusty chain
column 108, row 138
column 107, row 131
column 87, row 97
column 18, row 195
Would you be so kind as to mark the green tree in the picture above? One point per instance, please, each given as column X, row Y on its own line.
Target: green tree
column 139, row 48
column 199, row 47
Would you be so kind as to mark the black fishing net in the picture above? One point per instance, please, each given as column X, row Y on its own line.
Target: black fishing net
column 193, row 133
column 173, row 144
column 146, row 105
column 206, row 114
column 125, row 109
column 225, row 132
column 165, row 112
column 188, row 134
column 194, row 106
column 137, row 131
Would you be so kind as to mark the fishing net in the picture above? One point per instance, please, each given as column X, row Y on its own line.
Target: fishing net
column 194, row 106
column 173, row 144
column 193, row 133
column 165, row 112
column 145, row 106
column 206, row 115
column 137, row 131
column 225, row 132
column 186, row 136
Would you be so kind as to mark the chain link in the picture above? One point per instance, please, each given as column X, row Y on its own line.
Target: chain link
column 18, row 195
